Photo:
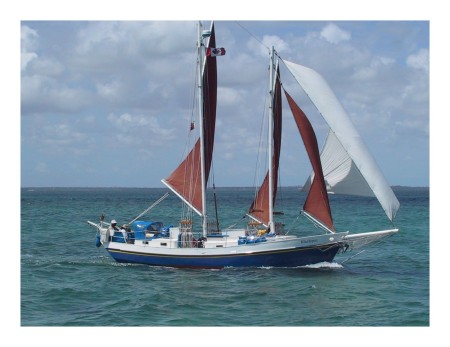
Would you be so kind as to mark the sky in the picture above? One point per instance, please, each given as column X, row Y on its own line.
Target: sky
column 109, row 103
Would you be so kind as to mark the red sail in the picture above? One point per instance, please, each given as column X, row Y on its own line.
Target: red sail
column 317, row 203
column 186, row 179
column 260, row 206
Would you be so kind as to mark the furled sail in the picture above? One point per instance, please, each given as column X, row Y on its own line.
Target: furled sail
column 259, row 209
column 316, row 204
column 186, row 180
column 350, row 141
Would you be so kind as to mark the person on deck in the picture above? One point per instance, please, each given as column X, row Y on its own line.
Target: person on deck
column 124, row 231
column 113, row 228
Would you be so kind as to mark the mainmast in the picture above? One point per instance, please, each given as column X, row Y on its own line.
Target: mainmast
column 270, row 138
column 200, row 53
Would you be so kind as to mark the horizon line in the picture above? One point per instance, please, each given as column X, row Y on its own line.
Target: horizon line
column 136, row 187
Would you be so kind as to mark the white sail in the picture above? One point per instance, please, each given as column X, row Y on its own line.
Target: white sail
column 340, row 172
column 344, row 173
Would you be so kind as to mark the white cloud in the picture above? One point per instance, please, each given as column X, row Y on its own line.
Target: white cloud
column 276, row 41
column 376, row 65
column 109, row 90
column 51, row 139
column 46, row 67
column 419, row 60
column 28, row 38
column 26, row 57
column 43, row 94
column 103, row 46
column 229, row 96
column 333, row 34
column 139, row 126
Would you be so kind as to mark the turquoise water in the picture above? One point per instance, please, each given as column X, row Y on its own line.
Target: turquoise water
column 67, row 281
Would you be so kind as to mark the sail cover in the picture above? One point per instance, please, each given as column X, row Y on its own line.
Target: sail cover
column 350, row 141
column 260, row 206
column 316, row 203
column 186, row 180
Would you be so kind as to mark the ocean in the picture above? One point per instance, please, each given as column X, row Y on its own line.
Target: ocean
column 66, row 281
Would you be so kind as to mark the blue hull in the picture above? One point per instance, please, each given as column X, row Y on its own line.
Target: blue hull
column 282, row 258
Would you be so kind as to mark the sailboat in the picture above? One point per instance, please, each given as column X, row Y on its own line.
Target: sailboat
column 344, row 166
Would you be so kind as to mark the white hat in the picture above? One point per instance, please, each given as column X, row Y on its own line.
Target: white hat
column 113, row 221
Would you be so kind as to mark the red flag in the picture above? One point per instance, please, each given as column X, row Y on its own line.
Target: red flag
column 214, row 52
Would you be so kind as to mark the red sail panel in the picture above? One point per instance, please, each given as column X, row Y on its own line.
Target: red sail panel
column 260, row 206
column 186, row 179
column 317, row 203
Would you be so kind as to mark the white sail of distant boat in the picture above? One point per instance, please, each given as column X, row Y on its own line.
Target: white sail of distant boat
column 344, row 166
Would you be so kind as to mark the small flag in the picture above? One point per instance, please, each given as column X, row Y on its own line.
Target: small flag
column 192, row 126
column 214, row 52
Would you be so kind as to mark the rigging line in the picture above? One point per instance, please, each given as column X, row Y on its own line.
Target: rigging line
column 150, row 207
column 291, row 226
column 192, row 117
column 349, row 258
column 365, row 249
column 258, row 165
column 238, row 221
column 248, row 32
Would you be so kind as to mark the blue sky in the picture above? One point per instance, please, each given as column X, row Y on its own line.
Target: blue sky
column 108, row 103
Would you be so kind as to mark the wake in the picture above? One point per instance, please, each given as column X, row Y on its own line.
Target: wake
column 323, row 265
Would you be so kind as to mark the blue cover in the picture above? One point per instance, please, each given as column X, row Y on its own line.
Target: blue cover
column 141, row 227
column 146, row 226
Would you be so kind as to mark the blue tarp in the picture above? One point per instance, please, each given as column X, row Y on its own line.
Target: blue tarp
column 140, row 228
column 146, row 226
